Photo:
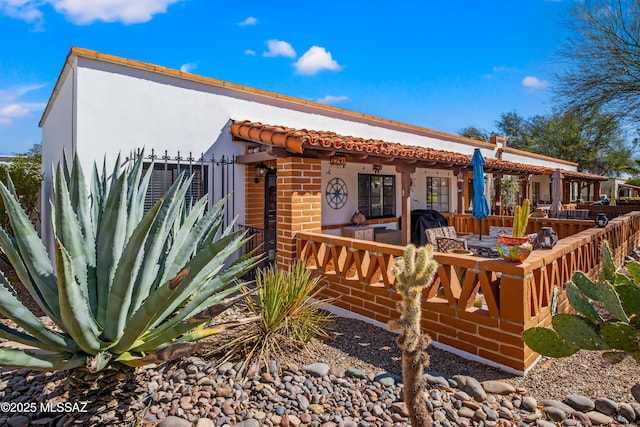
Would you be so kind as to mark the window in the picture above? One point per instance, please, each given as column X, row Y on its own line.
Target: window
column 438, row 193
column 535, row 193
column 377, row 195
column 164, row 175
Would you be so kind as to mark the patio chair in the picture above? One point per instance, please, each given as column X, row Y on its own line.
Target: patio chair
column 433, row 233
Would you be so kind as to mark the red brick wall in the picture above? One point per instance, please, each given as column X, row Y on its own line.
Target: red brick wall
column 298, row 203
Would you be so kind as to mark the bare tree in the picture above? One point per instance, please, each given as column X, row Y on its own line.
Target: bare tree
column 603, row 60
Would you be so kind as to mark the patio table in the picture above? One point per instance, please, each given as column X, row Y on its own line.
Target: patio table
column 482, row 247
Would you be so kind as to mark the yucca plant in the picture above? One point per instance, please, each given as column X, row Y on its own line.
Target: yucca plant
column 288, row 315
column 128, row 287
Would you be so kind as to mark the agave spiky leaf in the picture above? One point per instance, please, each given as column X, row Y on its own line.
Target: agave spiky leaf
column 129, row 287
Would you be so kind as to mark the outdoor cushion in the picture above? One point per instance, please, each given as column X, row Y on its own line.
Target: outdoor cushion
column 444, row 244
column 433, row 233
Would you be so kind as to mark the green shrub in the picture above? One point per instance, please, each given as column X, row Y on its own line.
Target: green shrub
column 128, row 288
column 25, row 172
column 287, row 316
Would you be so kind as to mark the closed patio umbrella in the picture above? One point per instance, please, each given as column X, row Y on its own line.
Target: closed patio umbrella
column 480, row 208
column 556, row 192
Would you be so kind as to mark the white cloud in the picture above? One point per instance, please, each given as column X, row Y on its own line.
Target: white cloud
column 13, row 111
column 188, row 67
column 249, row 21
column 535, row 83
column 332, row 99
column 84, row 12
column 279, row 48
column 11, row 107
column 315, row 60
column 8, row 95
column 250, row 52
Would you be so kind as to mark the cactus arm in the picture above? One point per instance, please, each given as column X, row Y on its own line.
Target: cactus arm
column 621, row 336
column 580, row 303
column 548, row 343
column 633, row 267
column 578, row 331
column 609, row 265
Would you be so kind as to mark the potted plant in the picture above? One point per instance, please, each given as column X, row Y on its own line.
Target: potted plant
column 517, row 247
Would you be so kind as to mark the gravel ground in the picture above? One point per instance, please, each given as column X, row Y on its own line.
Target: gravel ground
column 373, row 349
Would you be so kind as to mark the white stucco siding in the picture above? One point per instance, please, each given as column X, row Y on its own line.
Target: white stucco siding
column 548, row 163
column 58, row 135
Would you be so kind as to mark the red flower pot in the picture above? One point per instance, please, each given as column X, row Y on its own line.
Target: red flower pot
column 514, row 249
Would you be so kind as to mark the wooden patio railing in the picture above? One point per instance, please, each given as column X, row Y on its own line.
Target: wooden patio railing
column 476, row 305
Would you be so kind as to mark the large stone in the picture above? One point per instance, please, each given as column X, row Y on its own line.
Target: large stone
column 556, row 414
column 606, row 406
column 437, row 380
column 544, row 423
column 635, row 392
column 557, row 404
column 174, row 422
column 18, row 421
column 355, row 373
column 205, row 422
column 317, row 369
column 387, row 379
column 248, row 423
column 598, row 418
column 627, row 411
column 472, row 386
column 529, row 403
column 498, row 387
column 579, row 403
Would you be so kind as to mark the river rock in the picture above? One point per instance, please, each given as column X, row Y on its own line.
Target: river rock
column 529, row 403
column 174, row 422
column 627, row 411
column 598, row 418
column 317, row 369
column 498, row 387
column 471, row 386
column 606, row 406
column 556, row 414
column 557, row 404
column 579, row 403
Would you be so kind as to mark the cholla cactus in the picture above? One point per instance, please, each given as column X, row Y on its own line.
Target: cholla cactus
column 520, row 219
column 414, row 271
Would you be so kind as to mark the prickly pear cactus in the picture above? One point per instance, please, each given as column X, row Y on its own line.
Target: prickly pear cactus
column 414, row 271
column 615, row 325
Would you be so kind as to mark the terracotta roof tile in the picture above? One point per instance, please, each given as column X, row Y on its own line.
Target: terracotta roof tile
column 296, row 140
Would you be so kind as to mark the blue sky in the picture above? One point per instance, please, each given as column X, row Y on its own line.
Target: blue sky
column 443, row 65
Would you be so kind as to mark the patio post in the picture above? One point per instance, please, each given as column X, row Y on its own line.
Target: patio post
column 405, row 179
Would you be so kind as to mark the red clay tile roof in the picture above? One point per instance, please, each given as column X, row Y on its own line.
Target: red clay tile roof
column 297, row 140
column 581, row 175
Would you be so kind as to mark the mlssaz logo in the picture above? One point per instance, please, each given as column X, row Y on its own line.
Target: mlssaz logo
column 63, row 407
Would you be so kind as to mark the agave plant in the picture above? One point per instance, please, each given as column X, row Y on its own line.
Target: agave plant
column 127, row 287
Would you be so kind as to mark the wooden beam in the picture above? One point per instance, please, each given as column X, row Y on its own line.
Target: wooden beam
column 261, row 156
column 405, row 179
column 404, row 168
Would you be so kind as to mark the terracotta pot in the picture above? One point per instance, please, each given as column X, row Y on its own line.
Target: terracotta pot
column 514, row 249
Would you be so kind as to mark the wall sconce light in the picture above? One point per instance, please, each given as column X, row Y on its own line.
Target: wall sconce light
column 377, row 168
column 261, row 172
column 338, row 160
column 460, row 177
